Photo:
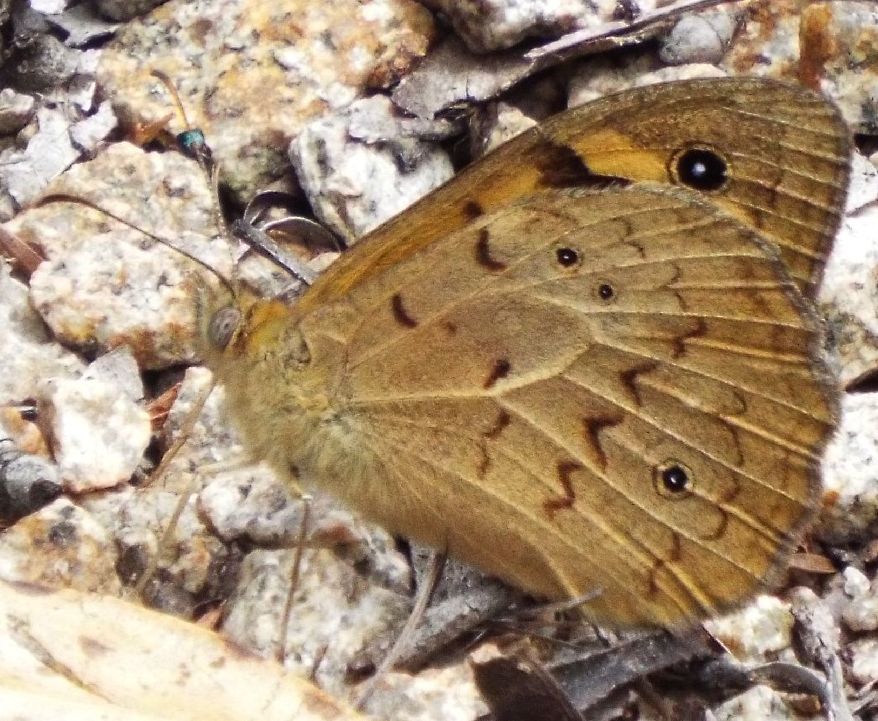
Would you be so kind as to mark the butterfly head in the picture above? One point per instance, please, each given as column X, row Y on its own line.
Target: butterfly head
column 233, row 324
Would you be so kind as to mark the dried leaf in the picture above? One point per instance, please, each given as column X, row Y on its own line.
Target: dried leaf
column 66, row 654
column 516, row 689
column 812, row 563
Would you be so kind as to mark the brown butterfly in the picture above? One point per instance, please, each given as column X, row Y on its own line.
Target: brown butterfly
column 576, row 388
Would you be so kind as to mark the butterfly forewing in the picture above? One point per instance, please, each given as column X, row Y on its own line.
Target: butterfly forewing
column 773, row 154
column 618, row 391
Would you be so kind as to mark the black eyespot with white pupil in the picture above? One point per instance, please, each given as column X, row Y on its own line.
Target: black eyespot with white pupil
column 673, row 479
column 701, row 169
column 567, row 257
column 222, row 326
column 605, row 291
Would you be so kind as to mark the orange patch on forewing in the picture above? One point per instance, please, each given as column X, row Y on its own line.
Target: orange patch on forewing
column 609, row 152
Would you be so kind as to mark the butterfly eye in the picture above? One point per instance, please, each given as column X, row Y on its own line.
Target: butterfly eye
column 222, row 326
column 673, row 479
column 701, row 169
column 27, row 409
column 567, row 257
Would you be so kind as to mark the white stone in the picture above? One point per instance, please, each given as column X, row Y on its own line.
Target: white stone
column 353, row 186
column 99, row 434
column 756, row 631
column 850, row 473
column 856, row 583
column 863, row 664
column 60, row 546
column 50, row 7
column 863, row 188
column 118, row 368
column 861, row 612
column 48, row 153
column 699, row 38
column 251, row 503
column 89, row 132
column 105, row 284
column 759, row 703
column 27, row 354
column 447, row 693
column 335, row 612
column 496, row 24
column 15, row 110
column 848, row 295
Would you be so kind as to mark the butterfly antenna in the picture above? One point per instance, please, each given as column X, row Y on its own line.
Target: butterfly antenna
column 64, row 198
column 191, row 141
column 193, row 144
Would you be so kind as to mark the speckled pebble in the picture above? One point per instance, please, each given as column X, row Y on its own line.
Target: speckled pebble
column 212, row 442
column 98, row 433
column 88, row 133
column 856, row 583
column 850, row 466
column 863, row 660
column 757, row 631
column 16, row 109
column 486, row 25
column 760, row 703
column 50, row 151
column 106, row 285
column 251, row 74
column 848, row 296
column 118, row 368
column 354, row 186
column 335, row 612
column 701, row 38
column 27, row 354
column 252, row 504
column 861, row 614
column 60, row 546
column 449, row 692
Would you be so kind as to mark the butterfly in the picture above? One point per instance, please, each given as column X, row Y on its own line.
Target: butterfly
column 589, row 361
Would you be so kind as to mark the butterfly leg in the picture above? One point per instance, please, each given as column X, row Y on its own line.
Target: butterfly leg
column 167, row 536
column 295, row 573
column 422, row 599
